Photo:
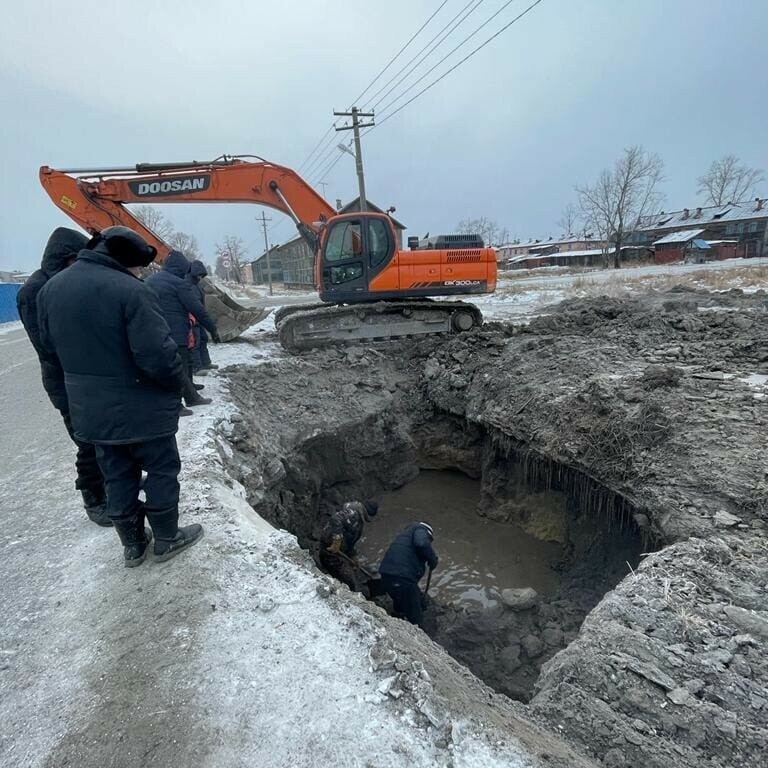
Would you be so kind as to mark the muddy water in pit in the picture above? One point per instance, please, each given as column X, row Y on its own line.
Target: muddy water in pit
column 478, row 557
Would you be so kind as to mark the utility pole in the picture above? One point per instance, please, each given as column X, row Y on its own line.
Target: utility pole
column 323, row 184
column 356, row 114
column 264, row 221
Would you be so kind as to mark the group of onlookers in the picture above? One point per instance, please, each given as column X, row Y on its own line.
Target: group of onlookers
column 116, row 354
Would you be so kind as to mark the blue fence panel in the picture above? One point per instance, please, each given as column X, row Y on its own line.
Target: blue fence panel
column 8, row 311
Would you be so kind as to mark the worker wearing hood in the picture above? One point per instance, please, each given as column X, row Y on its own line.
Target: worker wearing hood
column 60, row 251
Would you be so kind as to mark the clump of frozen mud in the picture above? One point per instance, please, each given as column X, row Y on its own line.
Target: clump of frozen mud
column 649, row 416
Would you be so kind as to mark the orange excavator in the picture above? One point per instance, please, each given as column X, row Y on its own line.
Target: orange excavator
column 368, row 287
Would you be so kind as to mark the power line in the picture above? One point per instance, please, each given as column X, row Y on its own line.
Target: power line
column 324, row 138
column 323, row 157
column 329, row 167
column 474, row 3
column 457, row 65
column 447, row 56
column 428, row 53
column 394, row 58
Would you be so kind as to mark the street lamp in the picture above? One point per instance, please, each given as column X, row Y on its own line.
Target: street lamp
column 346, row 149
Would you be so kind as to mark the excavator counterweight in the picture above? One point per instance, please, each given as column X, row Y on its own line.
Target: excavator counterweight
column 368, row 286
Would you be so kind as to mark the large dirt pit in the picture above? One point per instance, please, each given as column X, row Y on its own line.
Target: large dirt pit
column 597, row 482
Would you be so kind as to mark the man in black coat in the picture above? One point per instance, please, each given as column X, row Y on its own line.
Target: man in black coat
column 402, row 569
column 123, row 380
column 201, row 359
column 178, row 299
column 60, row 251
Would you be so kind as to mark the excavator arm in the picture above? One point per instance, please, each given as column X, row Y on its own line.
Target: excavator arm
column 96, row 197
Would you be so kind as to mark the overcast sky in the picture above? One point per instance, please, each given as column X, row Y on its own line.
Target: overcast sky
column 544, row 107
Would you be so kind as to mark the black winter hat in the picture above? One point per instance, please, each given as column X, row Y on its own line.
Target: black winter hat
column 371, row 507
column 125, row 246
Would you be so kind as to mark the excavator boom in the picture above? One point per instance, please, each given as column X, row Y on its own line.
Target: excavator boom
column 96, row 198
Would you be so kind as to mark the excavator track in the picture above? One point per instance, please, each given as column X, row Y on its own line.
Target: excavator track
column 302, row 327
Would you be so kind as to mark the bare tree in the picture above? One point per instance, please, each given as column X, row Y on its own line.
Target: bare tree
column 229, row 258
column 155, row 220
column 569, row 220
column 185, row 243
column 728, row 181
column 485, row 227
column 622, row 195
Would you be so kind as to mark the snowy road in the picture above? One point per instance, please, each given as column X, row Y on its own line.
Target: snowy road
column 226, row 656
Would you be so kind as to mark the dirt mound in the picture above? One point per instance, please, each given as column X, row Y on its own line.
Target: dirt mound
column 649, row 415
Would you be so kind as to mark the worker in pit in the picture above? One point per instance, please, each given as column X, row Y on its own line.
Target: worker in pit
column 339, row 537
column 60, row 252
column 403, row 567
column 123, row 379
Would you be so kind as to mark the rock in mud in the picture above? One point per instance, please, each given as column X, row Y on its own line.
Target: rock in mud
column 519, row 599
column 532, row 645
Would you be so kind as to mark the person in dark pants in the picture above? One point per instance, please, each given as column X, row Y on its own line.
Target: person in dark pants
column 201, row 359
column 402, row 569
column 340, row 534
column 178, row 299
column 123, row 379
column 60, row 251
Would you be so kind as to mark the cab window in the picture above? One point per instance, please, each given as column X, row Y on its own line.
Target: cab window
column 378, row 241
column 344, row 241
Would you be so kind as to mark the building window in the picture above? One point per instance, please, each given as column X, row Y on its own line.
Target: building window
column 752, row 226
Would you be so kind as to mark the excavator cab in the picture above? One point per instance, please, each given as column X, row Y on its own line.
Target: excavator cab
column 356, row 248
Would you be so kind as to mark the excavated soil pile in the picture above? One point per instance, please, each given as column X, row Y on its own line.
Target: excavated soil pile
column 647, row 416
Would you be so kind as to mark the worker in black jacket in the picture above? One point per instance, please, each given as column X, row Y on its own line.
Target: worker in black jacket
column 123, row 380
column 178, row 299
column 201, row 359
column 60, row 251
column 403, row 566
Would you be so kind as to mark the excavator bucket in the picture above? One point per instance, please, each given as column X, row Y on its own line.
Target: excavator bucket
column 231, row 318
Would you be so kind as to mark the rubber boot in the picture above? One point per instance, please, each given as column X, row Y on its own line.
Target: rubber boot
column 197, row 401
column 96, row 507
column 185, row 412
column 134, row 537
column 170, row 538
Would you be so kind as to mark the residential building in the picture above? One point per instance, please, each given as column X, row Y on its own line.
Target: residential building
column 505, row 253
column 259, row 271
column 744, row 223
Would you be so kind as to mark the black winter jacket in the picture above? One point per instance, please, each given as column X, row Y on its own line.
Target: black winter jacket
column 63, row 246
column 178, row 298
column 408, row 553
column 121, row 366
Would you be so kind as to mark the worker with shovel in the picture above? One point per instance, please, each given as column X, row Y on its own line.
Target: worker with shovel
column 339, row 538
column 403, row 567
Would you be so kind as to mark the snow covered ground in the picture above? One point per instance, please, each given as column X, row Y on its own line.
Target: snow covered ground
column 236, row 653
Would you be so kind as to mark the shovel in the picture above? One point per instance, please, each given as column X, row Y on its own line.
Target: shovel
column 425, row 596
